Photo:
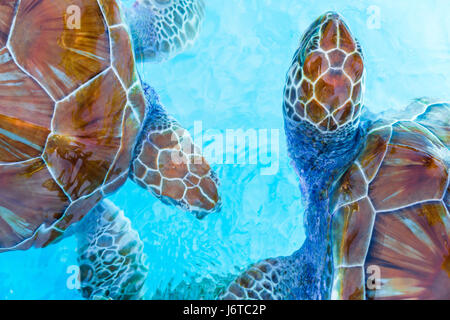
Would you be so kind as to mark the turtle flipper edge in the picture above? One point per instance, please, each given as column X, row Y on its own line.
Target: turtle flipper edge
column 167, row 163
column 270, row 279
column 110, row 255
column 162, row 30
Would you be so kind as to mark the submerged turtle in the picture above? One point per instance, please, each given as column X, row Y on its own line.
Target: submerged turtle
column 376, row 191
column 172, row 26
column 76, row 122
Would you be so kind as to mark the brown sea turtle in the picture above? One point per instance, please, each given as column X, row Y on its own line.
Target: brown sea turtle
column 376, row 191
column 76, row 122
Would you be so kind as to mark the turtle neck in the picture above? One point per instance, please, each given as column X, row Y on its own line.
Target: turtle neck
column 319, row 160
column 318, row 157
column 141, row 21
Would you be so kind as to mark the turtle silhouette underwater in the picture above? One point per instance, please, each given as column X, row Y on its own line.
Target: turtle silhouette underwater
column 76, row 122
column 376, row 191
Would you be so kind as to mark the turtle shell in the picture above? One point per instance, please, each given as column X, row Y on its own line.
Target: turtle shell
column 71, row 107
column 390, row 228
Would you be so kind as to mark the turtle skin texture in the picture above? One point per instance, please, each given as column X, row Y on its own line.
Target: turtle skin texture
column 71, row 107
column 111, row 256
column 391, row 226
column 172, row 26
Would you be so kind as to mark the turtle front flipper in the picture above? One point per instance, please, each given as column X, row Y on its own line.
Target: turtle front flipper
column 432, row 119
column 163, row 28
column 110, row 255
column 262, row 281
column 167, row 163
column 295, row 277
column 281, row 278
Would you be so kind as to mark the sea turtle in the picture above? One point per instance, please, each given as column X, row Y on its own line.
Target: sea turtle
column 376, row 191
column 172, row 26
column 76, row 122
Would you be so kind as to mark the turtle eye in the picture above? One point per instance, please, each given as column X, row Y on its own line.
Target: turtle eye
column 326, row 81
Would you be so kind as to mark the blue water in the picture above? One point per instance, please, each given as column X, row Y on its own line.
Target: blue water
column 231, row 79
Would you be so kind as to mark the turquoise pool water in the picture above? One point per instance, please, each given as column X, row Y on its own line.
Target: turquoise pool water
column 233, row 79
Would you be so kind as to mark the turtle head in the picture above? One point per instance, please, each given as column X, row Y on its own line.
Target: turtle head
column 163, row 28
column 325, row 84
